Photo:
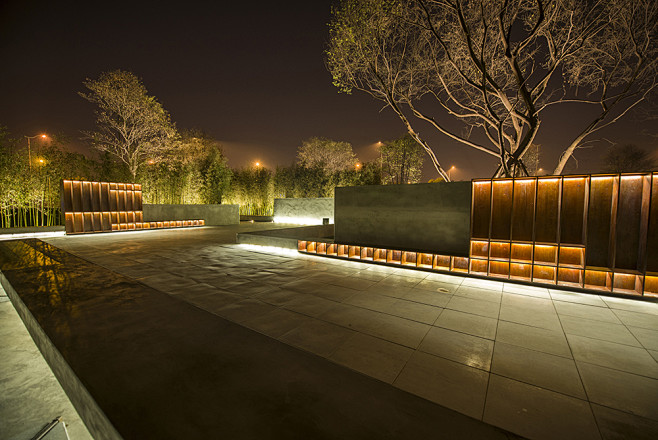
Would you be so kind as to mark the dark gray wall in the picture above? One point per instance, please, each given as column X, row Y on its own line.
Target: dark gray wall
column 431, row 217
column 214, row 215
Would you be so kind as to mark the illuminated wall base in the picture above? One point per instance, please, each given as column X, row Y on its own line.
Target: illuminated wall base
column 570, row 273
column 94, row 222
column 444, row 263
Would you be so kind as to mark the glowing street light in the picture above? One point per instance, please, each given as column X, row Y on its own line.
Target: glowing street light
column 379, row 145
column 29, row 148
column 257, row 164
column 358, row 165
column 451, row 168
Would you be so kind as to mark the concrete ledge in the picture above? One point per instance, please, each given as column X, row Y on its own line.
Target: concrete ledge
column 213, row 215
column 93, row 416
column 286, row 238
column 257, row 218
column 32, row 230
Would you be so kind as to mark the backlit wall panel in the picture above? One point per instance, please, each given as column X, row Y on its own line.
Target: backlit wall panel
column 104, row 207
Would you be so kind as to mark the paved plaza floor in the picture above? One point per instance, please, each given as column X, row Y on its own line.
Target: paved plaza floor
column 541, row 363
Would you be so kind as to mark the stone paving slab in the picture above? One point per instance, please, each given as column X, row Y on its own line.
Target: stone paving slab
column 530, row 357
column 160, row 367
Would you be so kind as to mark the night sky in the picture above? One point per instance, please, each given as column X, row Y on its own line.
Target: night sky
column 250, row 74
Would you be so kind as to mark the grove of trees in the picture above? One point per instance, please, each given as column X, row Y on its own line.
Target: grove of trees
column 628, row 159
column 402, row 161
column 198, row 173
column 29, row 185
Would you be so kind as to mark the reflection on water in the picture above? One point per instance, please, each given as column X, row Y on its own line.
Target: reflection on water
column 36, row 271
column 21, row 254
column 62, row 291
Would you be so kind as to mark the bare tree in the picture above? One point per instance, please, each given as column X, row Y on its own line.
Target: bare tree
column 495, row 67
column 131, row 125
column 332, row 156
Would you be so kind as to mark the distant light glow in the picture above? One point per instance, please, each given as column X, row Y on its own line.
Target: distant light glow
column 300, row 220
column 269, row 249
column 32, row 235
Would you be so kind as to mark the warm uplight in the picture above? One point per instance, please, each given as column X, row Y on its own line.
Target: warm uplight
column 257, row 164
column 358, row 165
column 43, row 136
column 597, row 178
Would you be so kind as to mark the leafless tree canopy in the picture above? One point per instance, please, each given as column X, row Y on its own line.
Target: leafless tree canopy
column 496, row 66
column 131, row 125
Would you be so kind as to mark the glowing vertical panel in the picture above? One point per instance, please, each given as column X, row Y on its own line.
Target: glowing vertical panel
column 481, row 209
column 523, row 209
column 501, row 211
column 547, row 208
column 572, row 215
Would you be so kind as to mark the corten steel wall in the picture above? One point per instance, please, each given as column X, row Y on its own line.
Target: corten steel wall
column 214, row 215
column 428, row 217
column 304, row 211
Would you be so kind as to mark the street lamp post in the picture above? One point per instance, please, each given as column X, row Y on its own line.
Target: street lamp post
column 451, row 168
column 29, row 148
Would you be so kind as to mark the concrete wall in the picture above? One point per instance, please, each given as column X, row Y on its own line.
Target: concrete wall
column 304, row 211
column 214, row 215
column 432, row 217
